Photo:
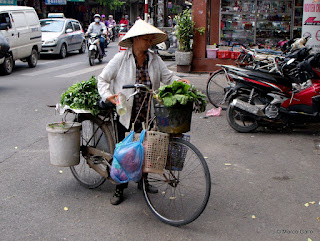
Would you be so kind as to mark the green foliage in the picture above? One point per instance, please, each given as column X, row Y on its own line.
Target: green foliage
column 184, row 30
column 201, row 30
column 83, row 95
column 181, row 93
column 112, row 4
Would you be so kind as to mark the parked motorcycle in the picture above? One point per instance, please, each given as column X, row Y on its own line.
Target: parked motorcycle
column 219, row 83
column 94, row 50
column 266, row 58
column 263, row 99
column 168, row 48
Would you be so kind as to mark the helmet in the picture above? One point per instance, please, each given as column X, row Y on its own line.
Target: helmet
column 110, row 16
column 97, row 16
column 103, row 16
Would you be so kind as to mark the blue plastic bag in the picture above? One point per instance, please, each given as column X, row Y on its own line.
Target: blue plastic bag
column 128, row 159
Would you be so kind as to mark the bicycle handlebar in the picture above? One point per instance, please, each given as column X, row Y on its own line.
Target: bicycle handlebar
column 128, row 86
column 136, row 86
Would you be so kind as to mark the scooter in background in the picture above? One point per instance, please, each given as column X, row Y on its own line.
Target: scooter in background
column 168, row 48
column 94, row 50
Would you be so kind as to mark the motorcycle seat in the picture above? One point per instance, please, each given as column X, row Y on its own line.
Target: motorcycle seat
column 265, row 76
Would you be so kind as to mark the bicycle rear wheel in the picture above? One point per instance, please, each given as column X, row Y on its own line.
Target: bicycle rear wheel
column 183, row 189
column 94, row 133
column 216, row 88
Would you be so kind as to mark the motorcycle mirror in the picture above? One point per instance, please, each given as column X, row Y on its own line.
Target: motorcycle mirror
column 290, row 61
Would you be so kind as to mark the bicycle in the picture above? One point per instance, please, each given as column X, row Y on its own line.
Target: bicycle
column 217, row 88
column 183, row 191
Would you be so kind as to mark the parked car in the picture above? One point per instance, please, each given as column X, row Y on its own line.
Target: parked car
column 62, row 35
column 20, row 26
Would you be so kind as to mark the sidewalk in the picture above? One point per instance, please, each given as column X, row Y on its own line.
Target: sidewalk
column 198, row 79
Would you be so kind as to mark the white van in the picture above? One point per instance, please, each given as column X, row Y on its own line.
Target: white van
column 21, row 27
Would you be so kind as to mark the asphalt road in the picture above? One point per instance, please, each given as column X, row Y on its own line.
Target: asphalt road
column 262, row 181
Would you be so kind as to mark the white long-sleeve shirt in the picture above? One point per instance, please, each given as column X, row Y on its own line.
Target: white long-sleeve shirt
column 97, row 27
column 121, row 70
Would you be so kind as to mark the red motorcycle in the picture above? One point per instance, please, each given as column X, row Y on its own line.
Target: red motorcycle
column 259, row 98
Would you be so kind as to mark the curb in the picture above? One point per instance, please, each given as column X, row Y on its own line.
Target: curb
column 173, row 68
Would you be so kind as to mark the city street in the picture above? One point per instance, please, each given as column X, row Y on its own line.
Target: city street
column 264, row 184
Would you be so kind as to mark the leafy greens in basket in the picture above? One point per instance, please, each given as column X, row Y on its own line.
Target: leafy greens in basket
column 181, row 93
column 83, row 95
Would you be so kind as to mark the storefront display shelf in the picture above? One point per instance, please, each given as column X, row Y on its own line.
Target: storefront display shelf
column 236, row 12
column 268, row 21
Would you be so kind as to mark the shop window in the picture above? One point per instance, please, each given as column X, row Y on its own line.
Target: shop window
column 263, row 22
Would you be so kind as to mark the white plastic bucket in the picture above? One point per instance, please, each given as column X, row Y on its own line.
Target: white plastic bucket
column 212, row 53
column 64, row 143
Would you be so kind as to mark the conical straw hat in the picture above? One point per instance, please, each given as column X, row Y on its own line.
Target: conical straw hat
column 140, row 28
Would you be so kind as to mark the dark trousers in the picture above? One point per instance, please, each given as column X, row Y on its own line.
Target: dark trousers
column 102, row 42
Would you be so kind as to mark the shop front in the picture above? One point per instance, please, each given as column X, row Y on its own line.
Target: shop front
column 232, row 23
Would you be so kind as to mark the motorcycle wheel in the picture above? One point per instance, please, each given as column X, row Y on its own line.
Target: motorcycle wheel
column 239, row 120
column 91, row 57
column 100, row 58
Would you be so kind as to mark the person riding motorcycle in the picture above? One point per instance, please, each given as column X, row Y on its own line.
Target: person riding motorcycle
column 103, row 20
column 112, row 23
column 124, row 20
column 99, row 28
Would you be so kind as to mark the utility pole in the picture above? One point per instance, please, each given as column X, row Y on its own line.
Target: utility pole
column 146, row 10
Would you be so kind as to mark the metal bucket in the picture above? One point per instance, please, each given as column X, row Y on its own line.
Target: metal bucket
column 173, row 120
column 64, row 143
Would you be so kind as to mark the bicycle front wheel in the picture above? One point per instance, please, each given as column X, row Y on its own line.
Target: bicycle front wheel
column 183, row 189
column 95, row 134
column 216, row 88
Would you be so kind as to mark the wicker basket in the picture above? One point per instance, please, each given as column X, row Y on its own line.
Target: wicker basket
column 177, row 156
column 156, row 152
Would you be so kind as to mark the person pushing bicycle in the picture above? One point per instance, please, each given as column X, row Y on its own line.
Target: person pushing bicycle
column 137, row 64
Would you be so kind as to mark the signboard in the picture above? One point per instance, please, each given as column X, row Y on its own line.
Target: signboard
column 311, row 23
column 121, row 35
column 8, row 2
column 76, row 0
column 56, row 2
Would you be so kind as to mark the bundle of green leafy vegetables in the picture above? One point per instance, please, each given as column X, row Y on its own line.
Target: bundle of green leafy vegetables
column 181, row 93
column 83, row 95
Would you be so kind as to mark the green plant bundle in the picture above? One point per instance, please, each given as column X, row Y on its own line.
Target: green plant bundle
column 181, row 93
column 83, row 95
column 184, row 30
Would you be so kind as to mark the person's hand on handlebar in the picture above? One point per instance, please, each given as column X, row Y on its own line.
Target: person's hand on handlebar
column 112, row 99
